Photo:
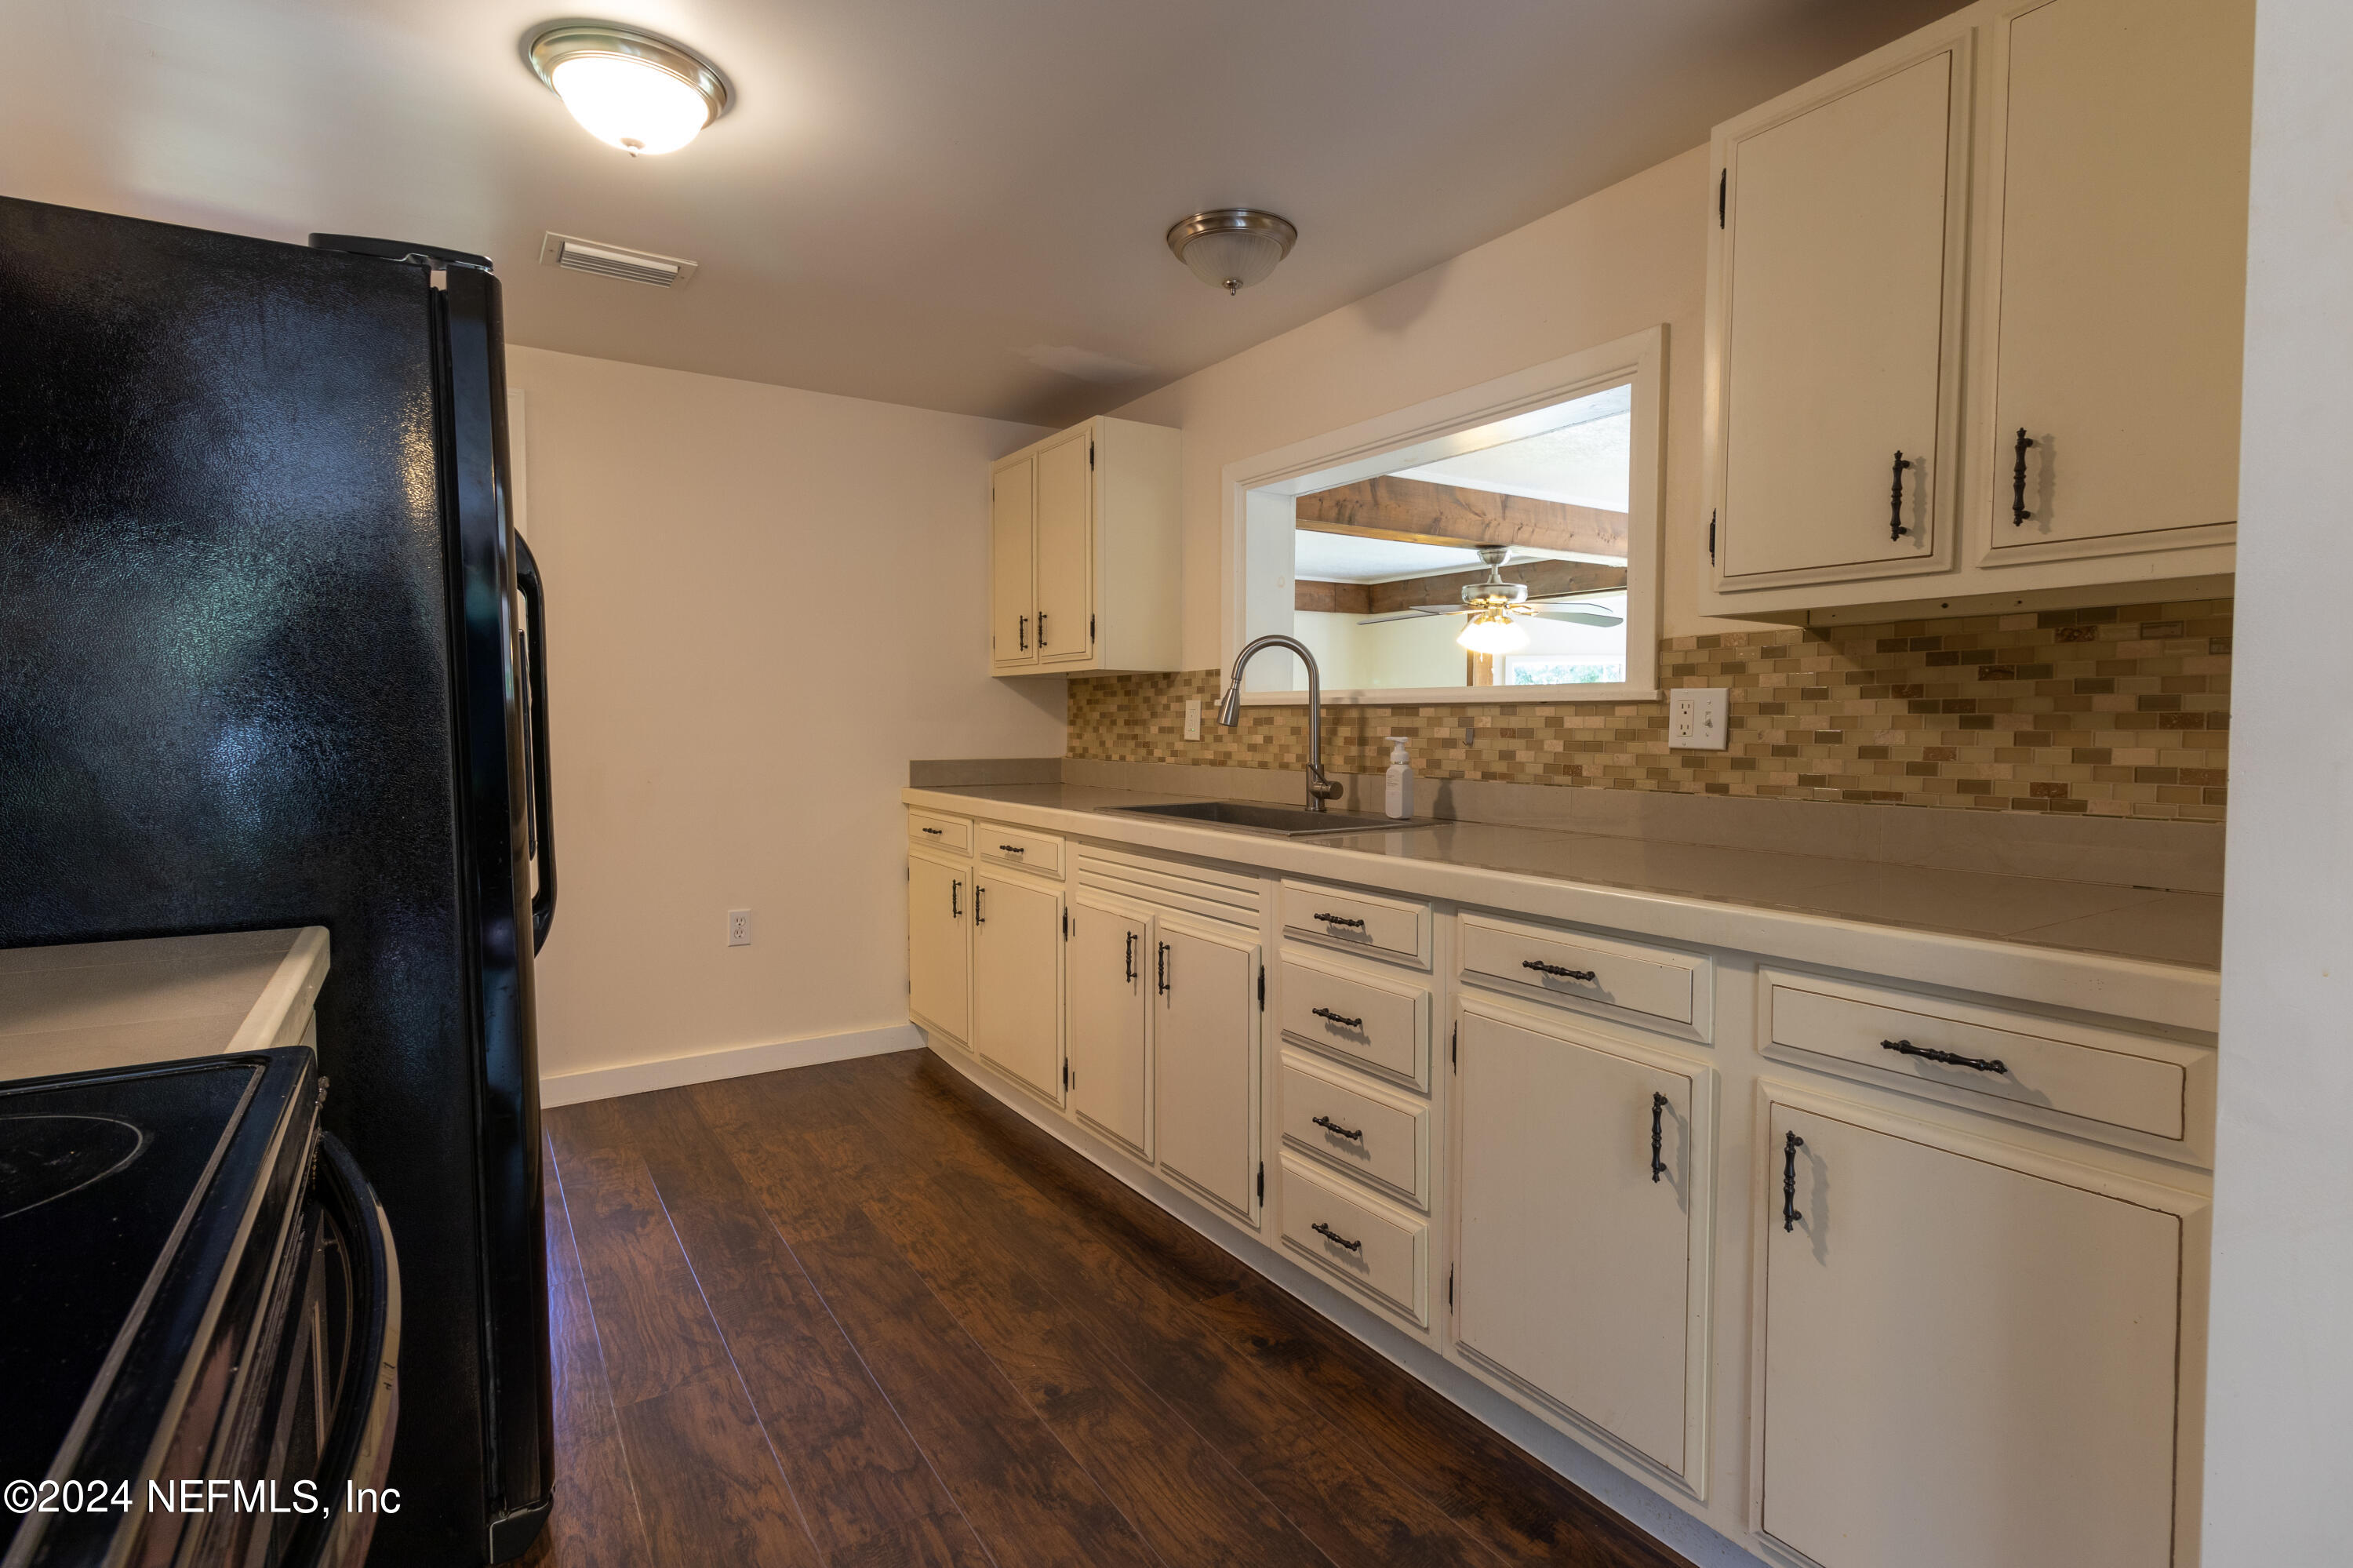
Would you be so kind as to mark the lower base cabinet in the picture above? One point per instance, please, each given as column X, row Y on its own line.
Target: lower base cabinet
column 1205, row 1040
column 1575, row 1271
column 1017, row 980
column 939, row 952
column 1965, row 1363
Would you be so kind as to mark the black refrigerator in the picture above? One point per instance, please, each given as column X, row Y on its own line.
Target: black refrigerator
column 269, row 656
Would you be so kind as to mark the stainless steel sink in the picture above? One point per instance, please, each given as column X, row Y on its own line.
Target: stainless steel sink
column 1279, row 822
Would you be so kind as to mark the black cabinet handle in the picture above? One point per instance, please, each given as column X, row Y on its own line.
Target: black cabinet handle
column 977, row 917
column 542, row 801
column 1543, row 968
column 1164, row 969
column 1341, row 920
column 936, row 832
column 1789, row 1214
column 1895, row 529
column 1131, row 958
column 1328, row 1125
column 1929, row 1053
column 1328, row 1234
column 1041, row 628
column 1343, row 1023
column 1013, row 849
column 2019, row 515
column 955, row 900
column 1025, row 631
column 1658, row 1135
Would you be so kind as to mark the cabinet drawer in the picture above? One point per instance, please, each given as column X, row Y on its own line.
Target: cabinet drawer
column 1377, row 1134
column 1641, row 983
column 1374, row 1021
column 1392, row 928
column 940, row 832
column 1381, row 1251
column 1040, row 852
column 2013, row 1065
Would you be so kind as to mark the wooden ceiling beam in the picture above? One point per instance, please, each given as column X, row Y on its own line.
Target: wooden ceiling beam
column 1421, row 513
column 1336, row 598
column 1545, row 579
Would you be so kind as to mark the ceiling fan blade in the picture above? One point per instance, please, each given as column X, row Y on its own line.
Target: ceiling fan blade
column 1581, row 616
column 1414, row 612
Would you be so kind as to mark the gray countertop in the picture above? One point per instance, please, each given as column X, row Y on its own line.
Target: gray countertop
column 2146, row 925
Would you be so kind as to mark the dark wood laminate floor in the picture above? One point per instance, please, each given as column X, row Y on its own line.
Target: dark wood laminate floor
column 861, row 1315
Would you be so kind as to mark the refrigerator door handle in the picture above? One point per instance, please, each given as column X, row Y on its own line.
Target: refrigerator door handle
column 534, row 607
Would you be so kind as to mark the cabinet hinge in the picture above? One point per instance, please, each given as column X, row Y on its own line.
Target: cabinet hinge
column 1090, row 454
column 1066, row 1084
column 1262, row 1181
column 1723, row 181
column 1449, row 1290
column 1066, row 925
column 1711, row 539
column 1454, row 1048
column 1091, row 629
column 1261, row 988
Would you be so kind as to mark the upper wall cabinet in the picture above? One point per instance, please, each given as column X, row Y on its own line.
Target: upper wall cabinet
column 1083, row 551
column 1974, row 316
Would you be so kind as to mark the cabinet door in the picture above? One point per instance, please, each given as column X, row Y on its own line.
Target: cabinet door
column 1574, row 1272
column 1110, row 986
column 1065, row 550
column 1205, row 1061
column 939, row 958
column 1841, row 237
column 1017, row 953
column 2120, row 134
column 1012, row 566
column 1965, row 1363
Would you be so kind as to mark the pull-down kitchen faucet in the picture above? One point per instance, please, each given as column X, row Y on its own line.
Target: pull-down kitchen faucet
column 1229, row 712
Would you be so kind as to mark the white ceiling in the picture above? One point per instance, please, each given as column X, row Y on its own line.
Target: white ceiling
column 1588, row 462
column 942, row 203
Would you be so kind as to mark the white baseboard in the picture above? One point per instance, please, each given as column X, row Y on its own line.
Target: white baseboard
column 735, row 1061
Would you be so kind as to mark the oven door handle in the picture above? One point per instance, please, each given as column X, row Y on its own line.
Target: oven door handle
column 542, row 791
column 358, row 1446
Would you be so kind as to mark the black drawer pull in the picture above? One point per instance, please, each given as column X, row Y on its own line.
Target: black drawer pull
column 1895, row 529
column 977, row 917
column 1658, row 1134
column 1789, row 1214
column 955, row 900
column 1013, row 849
column 1343, row 1023
column 2019, row 515
column 1341, row 920
column 936, row 832
column 1543, row 968
column 1164, row 969
column 1131, row 958
column 1328, row 1234
column 1328, row 1125
column 1929, row 1053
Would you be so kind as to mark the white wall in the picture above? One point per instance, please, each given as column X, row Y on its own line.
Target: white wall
column 1624, row 260
column 762, row 604
column 2280, row 1402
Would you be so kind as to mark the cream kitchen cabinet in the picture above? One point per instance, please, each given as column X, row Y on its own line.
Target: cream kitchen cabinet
column 1970, row 1355
column 1207, row 996
column 1974, row 318
column 939, row 945
column 1111, row 989
column 1582, row 1202
column 1017, row 980
column 1083, row 551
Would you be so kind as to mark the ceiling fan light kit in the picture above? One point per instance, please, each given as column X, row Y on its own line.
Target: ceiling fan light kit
column 628, row 89
column 1495, row 608
column 1231, row 248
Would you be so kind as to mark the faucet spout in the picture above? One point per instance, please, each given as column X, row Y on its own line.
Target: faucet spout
column 1230, row 711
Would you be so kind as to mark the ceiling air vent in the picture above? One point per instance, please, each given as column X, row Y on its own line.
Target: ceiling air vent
column 613, row 262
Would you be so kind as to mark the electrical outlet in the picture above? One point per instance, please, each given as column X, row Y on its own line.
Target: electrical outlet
column 1697, row 718
column 739, row 928
column 1192, row 719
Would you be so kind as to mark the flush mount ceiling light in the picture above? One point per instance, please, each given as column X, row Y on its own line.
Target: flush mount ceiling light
column 1232, row 246
column 627, row 88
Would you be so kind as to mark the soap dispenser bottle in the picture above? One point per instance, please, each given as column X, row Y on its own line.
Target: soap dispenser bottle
column 1400, row 801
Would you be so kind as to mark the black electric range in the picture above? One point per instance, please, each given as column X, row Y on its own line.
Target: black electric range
column 199, row 1321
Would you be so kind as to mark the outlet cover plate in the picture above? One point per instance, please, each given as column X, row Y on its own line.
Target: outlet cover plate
column 1698, row 718
column 739, row 928
column 1192, row 719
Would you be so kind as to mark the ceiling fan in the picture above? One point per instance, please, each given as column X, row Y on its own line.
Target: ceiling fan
column 1495, row 607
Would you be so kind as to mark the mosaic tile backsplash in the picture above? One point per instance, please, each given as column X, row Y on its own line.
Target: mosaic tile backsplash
column 2121, row 712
